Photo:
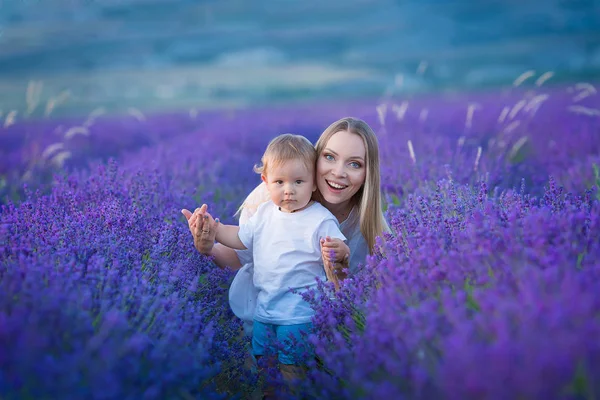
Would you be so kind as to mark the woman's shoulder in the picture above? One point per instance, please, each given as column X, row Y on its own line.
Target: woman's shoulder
column 352, row 222
column 264, row 211
column 258, row 196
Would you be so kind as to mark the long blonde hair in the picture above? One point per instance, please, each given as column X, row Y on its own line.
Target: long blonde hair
column 368, row 198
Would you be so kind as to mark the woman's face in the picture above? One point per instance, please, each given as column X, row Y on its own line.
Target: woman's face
column 341, row 167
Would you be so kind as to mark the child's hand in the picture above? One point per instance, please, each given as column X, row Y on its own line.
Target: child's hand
column 334, row 250
column 210, row 224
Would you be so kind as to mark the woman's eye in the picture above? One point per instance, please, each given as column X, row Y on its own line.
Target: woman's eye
column 354, row 164
column 329, row 157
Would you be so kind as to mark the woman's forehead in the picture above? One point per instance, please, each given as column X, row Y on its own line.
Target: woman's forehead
column 347, row 143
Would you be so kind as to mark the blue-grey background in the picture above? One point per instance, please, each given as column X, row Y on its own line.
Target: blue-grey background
column 177, row 54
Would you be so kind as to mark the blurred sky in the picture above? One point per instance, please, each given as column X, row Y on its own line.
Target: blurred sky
column 171, row 54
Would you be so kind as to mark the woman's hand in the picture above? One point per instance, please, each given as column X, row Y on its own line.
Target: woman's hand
column 203, row 229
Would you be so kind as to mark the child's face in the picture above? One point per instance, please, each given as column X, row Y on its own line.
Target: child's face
column 290, row 185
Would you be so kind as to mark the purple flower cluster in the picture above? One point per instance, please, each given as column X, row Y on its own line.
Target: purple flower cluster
column 473, row 296
column 513, row 136
column 487, row 287
column 31, row 151
column 102, row 295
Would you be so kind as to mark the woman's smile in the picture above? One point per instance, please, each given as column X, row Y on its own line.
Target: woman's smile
column 335, row 185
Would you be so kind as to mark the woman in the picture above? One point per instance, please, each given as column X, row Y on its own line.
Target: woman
column 348, row 185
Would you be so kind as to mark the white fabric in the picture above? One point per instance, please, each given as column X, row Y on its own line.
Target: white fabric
column 258, row 196
column 242, row 296
column 287, row 256
column 242, row 292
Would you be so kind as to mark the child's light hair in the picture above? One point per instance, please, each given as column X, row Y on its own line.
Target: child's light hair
column 287, row 147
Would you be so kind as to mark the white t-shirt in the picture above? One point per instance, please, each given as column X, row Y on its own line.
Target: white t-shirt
column 286, row 252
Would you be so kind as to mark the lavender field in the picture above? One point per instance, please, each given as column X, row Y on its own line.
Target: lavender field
column 488, row 287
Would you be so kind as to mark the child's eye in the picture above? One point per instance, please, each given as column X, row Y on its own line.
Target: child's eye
column 299, row 181
column 355, row 164
column 279, row 182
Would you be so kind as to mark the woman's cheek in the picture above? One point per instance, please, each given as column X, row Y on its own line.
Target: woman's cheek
column 358, row 180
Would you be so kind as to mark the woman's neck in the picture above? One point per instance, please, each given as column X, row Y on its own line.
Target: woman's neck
column 340, row 211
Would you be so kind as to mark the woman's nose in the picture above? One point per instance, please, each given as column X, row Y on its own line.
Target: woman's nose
column 339, row 170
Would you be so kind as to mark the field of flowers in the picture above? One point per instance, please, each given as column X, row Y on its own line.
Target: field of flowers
column 488, row 287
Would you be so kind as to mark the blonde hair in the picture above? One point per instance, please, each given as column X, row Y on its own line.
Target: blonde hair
column 368, row 198
column 287, row 147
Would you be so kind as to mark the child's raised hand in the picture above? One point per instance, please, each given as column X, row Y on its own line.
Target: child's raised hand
column 209, row 223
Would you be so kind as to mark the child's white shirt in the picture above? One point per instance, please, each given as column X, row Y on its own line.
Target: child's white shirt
column 286, row 251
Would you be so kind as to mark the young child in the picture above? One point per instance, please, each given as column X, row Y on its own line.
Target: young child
column 284, row 237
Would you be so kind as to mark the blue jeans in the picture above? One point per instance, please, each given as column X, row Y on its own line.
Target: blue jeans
column 294, row 351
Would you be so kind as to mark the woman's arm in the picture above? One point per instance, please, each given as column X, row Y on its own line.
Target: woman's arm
column 225, row 257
